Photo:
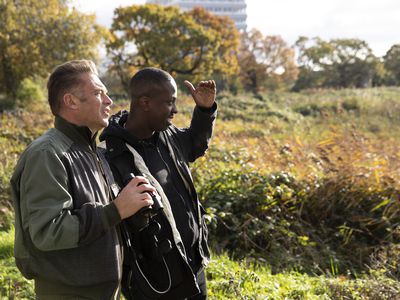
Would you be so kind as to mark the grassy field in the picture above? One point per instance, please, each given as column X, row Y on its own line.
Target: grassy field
column 301, row 190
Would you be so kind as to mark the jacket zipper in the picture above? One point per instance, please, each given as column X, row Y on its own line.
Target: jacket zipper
column 119, row 250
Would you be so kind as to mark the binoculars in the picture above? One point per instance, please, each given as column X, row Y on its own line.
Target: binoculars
column 147, row 250
column 142, row 218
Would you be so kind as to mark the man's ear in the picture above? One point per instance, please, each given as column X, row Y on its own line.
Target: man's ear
column 144, row 103
column 70, row 101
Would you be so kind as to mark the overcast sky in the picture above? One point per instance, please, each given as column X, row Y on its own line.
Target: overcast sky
column 375, row 21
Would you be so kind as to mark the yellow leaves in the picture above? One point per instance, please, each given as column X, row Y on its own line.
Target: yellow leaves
column 132, row 70
column 305, row 241
column 377, row 177
column 377, row 166
column 381, row 204
column 326, row 142
column 379, row 162
column 298, row 141
column 346, row 233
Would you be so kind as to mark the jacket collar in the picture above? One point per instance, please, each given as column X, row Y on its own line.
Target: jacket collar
column 78, row 134
column 118, row 122
column 149, row 142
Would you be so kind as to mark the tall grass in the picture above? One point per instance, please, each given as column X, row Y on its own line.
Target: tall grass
column 12, row 284
column 229, row 279
column 306, row 188
column 6, row 243
column 301, row 191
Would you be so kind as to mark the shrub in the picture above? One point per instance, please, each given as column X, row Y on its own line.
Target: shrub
column 30, row 93
column 330, row 225
column 311, row 109
column 254, row 215
column 351, row 105
column 6, row 103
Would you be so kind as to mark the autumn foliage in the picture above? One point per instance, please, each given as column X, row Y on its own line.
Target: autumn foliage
column 35, row 36
column 266, row 62
column 195, row 44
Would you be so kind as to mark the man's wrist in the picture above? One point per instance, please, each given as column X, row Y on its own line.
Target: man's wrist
column 110, row 215
column 208, row 109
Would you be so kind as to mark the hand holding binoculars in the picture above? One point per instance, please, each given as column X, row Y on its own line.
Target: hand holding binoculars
column 142, row 217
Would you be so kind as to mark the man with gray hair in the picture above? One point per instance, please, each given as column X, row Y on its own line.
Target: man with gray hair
column 67, row 208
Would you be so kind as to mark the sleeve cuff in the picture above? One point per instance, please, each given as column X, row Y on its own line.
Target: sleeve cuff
column 209, row 110
column 110, row 215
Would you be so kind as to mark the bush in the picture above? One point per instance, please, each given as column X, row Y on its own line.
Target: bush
column 30, row 93
column 330, row 225
column 351, row 105
column 311, row 109
column 385, row 260
column 252, row 215
column 6, row 103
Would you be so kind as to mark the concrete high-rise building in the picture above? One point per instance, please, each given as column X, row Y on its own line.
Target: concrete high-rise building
column 236, row 9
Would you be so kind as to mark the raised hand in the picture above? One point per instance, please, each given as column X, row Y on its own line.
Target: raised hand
column 204, row 94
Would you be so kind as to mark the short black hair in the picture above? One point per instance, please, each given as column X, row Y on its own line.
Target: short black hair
column 147, row 81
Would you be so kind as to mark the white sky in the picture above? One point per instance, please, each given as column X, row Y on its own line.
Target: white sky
column 375, row 21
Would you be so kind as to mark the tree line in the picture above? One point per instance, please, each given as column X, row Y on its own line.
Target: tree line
column 37, row 35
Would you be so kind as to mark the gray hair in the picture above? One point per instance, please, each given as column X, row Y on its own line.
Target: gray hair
column 64, row 78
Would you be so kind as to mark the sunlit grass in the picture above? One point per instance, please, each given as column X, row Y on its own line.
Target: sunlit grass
column 346, row 141
column 229, row 279
column 6, row 243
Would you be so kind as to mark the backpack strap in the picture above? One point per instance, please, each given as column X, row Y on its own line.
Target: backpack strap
column 121, row 160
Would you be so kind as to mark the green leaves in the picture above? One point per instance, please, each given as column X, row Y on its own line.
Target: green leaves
column 38, row 35
column 392, row 65
column 190, row 44
column 338, row 63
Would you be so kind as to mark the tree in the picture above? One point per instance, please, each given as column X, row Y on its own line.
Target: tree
column 225, row 63
column 392, row 65
column 251, row 72
column 266, row 62
column 165, row 37
column 37, row 35
column 353, row 63
column 336, row 63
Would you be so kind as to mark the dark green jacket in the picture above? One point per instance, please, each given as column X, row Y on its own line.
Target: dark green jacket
column 65, row 224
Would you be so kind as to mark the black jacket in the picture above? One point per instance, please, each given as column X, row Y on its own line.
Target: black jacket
column 183, row 146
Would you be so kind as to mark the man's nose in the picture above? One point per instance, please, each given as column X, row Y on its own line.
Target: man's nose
column 174, row 109
column 107, row 99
